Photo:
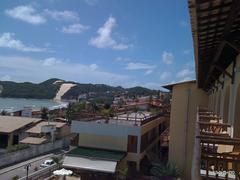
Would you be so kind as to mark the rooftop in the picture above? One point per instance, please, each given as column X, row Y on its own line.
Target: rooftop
column 37, row 127
column 97, row 153
column 170, row 86
column 33, row 140
column 131, row 118
column 10, row 124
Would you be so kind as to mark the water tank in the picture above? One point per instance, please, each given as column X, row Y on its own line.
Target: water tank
column 49, row 128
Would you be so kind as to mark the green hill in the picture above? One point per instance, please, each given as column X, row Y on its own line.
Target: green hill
column 48, row 90
column 44, row 90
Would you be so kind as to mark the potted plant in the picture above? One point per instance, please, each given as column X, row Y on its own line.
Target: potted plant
column 165, row 172
column 122, row 173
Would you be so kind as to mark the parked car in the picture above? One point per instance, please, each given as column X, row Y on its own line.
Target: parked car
column 47, row 163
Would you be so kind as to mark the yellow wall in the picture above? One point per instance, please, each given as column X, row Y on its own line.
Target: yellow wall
column 186, row 97
column 104, row 142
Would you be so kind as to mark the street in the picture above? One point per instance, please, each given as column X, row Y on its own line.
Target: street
column 19, row 170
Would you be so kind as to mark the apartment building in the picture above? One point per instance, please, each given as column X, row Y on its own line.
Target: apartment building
column 104, row 145
column 204, row 119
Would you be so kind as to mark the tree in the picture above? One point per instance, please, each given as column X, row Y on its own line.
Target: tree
column 57, row 160
column 69, row 112
column 44, row 113
column 3, row 113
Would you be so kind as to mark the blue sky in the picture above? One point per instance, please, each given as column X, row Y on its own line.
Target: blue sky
column 116, row 42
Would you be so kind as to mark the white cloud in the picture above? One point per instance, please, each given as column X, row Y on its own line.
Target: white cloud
column 27, row 14
column 184, row 73
column 104, row 38
column 91, row 2
column 186, row 79
column 75, row 28
column 149, row 72
column 7, row 41
column 183, row 23
column 93, row 67
column 122, row 59
column 29, row 69
column 187, row 51
column 5, row 78
column 165, row 75
column 138, row 66
column 62, row 15
column 167, row 57
column 51, row 61
column 152, row 85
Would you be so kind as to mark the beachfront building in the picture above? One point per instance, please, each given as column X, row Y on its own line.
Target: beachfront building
column 106, row 144
column 204, row 119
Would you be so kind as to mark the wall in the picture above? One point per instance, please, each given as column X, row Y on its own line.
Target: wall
column 186, row 97
column 103, row 142
column 104, row 129
column 36, row 150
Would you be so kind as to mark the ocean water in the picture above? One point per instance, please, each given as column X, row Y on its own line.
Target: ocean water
column 13, row 104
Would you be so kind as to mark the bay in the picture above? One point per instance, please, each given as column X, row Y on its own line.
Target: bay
column 14, row 104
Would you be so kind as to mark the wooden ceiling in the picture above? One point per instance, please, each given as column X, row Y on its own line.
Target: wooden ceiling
column 216, row 35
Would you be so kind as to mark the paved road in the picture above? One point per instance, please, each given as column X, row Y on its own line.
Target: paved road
column 19, row 170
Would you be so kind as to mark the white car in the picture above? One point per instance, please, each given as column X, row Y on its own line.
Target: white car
column 47, row 163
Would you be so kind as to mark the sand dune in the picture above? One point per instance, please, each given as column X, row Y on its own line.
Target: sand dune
column 63, row 89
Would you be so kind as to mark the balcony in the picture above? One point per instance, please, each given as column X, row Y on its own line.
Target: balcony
column 216, row 152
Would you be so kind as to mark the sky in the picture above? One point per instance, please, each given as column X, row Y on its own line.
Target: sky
column 116, row 42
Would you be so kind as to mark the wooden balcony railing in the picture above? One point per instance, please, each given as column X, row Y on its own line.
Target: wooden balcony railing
column 216, row 153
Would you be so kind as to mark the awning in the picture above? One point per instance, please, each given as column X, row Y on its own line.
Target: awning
column 90, row 164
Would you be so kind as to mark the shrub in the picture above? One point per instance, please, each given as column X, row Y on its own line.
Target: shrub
column 15, row 177
column 168, row 170
column 17, row 147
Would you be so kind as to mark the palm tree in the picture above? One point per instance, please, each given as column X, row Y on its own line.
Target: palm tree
column 44, row 113
column 70, row 112
column 3, row 113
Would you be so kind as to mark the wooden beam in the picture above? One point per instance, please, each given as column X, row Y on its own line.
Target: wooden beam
column 233, row 45
column 224, row 5
column 233, row 13
column 233, row 70
column 222, row 70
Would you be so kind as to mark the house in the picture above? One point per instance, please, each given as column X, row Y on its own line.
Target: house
column 44, row 132
column 105, row 144
column 12, row 129
column 204, row 119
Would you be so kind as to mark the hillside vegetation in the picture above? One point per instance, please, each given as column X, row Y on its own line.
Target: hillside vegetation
column 44, row 90
column 48, row 90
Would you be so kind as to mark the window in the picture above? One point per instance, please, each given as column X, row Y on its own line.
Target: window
column 132, row 143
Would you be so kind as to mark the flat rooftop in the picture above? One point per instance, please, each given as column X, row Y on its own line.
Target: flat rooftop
column 97, row 153
column 33, row 140
column 132, row 118
column 9, row 124
column 37, row 128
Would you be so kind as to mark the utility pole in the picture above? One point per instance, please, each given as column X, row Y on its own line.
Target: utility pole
column 27, row 166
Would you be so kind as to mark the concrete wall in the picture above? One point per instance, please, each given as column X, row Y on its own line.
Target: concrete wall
column 103, row 142
column 186, row 97
column 104, row 129
column 35, row 150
